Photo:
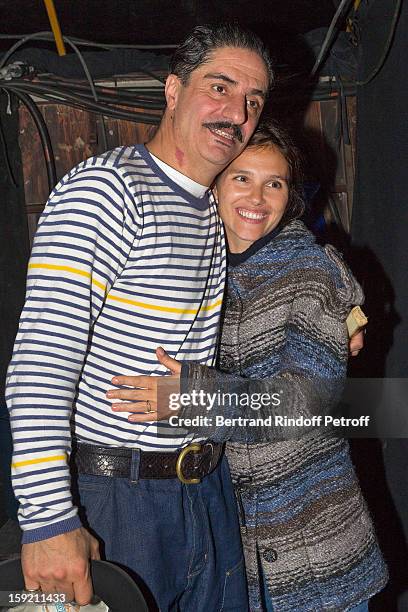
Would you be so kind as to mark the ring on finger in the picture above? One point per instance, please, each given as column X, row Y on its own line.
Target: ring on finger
column 149, row 407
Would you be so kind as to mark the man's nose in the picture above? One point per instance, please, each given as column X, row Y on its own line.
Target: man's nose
column 236, row 110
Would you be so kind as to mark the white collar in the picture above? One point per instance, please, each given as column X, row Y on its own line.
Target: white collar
column 185, row 182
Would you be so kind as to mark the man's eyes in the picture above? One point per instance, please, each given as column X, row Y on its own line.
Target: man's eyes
column 219, row 88
column 240, row 178
column 254, row 104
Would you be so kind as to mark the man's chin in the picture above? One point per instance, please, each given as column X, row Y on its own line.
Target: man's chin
column 223, row 156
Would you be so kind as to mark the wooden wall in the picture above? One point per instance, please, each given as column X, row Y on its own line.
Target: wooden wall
column 76, row 135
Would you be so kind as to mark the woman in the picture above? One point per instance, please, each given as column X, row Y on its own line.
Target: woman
column 308, row 539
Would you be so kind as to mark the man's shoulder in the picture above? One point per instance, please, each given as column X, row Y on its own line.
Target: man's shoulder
column 123, row 160
column 128, row 164
column 109, row 174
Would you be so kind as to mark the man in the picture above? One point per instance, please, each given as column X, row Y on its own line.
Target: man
column 129, row 255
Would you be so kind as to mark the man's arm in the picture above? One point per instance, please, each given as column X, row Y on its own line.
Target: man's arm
column 78, row 250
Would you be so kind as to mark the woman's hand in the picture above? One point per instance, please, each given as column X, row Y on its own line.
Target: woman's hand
column 356, row 343
column 149, row 398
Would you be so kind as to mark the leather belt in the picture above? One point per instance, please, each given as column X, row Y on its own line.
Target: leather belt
column 190, row 464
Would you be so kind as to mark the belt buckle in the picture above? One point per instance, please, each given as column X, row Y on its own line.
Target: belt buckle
column 191, row 448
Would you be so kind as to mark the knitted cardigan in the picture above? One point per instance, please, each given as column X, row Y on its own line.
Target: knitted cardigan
column 305, row 525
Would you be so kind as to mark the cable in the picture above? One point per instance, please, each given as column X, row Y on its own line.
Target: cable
column 84, row 66
column 78, row 102
column 329, row 36
column 48, row 36
column 6, row 156
column 21, row 42
column 71, row 99
column 44, row 136
column 125, row 93
column 83, row 63
column 56, row 91
column 91, row 85
column 154, row 76
column 18, row 44
column 89, row 43
column 103, row 96
column 387, row 46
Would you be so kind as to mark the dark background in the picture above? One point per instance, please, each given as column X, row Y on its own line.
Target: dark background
column 378, row 242
column 163, row 21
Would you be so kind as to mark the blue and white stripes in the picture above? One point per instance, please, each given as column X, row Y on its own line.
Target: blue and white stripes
column 123, row 261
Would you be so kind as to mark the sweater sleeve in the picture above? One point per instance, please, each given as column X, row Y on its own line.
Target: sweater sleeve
column 308, row 380
column 81, row 245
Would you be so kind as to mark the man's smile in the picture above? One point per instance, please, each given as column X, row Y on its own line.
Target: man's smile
column 227, row 133
column 223, row 133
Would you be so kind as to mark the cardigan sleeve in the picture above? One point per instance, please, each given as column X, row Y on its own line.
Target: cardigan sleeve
column 307, row 384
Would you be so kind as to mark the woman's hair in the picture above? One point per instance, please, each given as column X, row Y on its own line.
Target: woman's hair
column 270, row 134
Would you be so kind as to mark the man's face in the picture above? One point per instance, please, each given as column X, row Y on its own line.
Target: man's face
column 215, row 114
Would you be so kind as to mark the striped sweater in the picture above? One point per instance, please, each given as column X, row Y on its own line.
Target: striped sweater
column 124, row 260
column 305, row 525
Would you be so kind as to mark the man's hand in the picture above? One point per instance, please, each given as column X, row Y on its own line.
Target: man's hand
column 61, row 565
column 356, row 343
column 148, row 399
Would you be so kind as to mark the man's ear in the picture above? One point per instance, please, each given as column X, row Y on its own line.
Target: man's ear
column 171, row 90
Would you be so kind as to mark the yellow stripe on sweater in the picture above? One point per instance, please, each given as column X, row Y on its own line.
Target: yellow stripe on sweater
column 18, row 464
column 192, row 311
column 68, row 269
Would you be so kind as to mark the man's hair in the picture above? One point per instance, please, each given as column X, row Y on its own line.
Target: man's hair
column 270, row 134
column 203, row 40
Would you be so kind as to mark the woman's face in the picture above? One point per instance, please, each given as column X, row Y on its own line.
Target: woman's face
column 252, row 193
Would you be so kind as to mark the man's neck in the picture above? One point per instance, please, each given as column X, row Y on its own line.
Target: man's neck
column 163, row 146
column 183, row 181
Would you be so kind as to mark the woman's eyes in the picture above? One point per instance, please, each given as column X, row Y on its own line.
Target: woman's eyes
column 244, row 179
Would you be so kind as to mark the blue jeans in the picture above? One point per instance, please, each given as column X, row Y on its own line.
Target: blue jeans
column 181, row 541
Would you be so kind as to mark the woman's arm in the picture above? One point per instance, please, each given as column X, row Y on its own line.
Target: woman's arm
column 312, row 367
column 307, row 383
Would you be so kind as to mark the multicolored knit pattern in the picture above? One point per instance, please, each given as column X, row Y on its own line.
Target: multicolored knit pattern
column 305, row 524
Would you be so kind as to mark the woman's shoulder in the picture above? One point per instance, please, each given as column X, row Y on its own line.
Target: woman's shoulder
column 295, row 238
column 318, row 262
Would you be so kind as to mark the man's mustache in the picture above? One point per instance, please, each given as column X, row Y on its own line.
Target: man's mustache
column 219, row 125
